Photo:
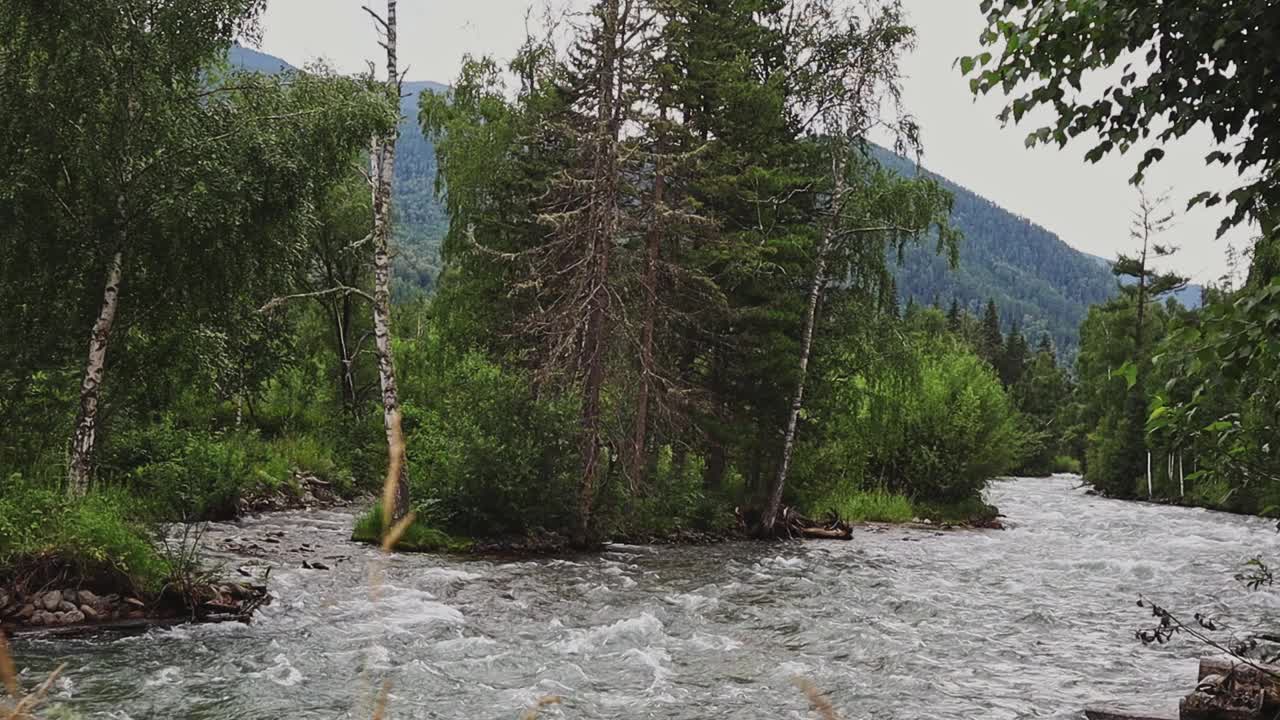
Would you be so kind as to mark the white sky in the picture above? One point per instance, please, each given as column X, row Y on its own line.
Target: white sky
column 1087, row 205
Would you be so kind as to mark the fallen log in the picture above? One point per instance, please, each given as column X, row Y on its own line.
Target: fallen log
column 1233, row 673
column 1255, row 673
column 845, row 533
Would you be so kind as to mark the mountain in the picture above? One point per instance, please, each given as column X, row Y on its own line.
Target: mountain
column 1038, row 282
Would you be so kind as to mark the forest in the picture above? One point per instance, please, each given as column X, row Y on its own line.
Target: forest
column 653, row 278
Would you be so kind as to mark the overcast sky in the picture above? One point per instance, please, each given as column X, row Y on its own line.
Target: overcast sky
column 1087, row 205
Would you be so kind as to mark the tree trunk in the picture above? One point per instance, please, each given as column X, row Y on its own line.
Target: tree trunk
column 636, row 471
column 383, row 160
column 774, row 502
column 601, row 232
column 82, row 443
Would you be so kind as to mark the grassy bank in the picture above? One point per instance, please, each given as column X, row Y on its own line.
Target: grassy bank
column 877, row 505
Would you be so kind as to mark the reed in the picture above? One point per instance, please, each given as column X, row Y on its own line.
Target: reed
column 19, row 706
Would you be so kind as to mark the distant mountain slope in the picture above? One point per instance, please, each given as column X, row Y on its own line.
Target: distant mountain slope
column 243, row 58
column 1037, row 280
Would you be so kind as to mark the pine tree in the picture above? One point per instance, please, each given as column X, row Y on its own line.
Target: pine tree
column 991, row 340
column 954, row 318
column 1013, row 358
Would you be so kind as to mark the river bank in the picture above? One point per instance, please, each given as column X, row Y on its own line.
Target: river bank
column 902, row 623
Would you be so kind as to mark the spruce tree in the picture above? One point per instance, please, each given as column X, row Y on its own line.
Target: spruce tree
column 991, row 340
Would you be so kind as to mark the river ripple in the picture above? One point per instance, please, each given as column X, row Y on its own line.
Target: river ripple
column 1032, row 621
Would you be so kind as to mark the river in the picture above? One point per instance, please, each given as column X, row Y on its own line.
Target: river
column 1033, row 621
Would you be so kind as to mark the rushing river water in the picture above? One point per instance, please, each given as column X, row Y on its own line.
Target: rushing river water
column 1033, row 621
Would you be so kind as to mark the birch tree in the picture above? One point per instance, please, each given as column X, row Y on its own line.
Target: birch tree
column 154, row 182
column 846, row 74
column 381, row 177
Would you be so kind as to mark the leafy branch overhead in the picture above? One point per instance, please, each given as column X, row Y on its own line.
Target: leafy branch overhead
column 1137, row 75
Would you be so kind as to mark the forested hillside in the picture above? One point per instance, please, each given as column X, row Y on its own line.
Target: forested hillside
column 1039, row 283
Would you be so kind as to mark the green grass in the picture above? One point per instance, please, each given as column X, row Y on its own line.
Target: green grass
column 864, row 506
column 95, row 539
column 1065, row 464
column 418, row 538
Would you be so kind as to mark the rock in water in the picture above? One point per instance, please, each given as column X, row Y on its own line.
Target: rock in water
column 51, row 600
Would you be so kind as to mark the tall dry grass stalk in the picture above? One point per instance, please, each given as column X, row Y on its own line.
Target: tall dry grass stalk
column 817, row 699
column 531, row 713
column 20, row 707
column 391, row 534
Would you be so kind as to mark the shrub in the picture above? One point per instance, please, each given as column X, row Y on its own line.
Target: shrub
column 418, row 537
column 496, row 458
column 1065, row 464
column 188, row 475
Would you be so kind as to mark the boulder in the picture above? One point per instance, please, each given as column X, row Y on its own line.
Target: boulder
column 51, row 600
column 66, row 606
column 69, row 595
column 89, row 612
column 86, row 597
column 26, row 612
column 38, row 617
column 71, row 618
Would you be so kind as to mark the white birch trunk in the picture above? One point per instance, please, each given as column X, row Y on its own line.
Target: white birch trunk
column 383, row 174
column 1182, row 480
column 774, row 502
column 1150, row 493
column 80, row 468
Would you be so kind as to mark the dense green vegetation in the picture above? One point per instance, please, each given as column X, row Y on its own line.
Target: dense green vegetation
column 1172, row 403
column 626, row 334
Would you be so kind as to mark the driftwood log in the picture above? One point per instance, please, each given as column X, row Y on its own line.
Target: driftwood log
column 790, row 525
column 1226, row 689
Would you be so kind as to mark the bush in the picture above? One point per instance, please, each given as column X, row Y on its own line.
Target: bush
column 418, row 537
column 493, row 457
column 189, row 475
column 955, row 432
column 1065, row 464
column 44, row 533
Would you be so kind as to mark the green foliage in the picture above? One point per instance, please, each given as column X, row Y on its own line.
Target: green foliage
column 857, row 505
column 192, row 475
column 928, row 421
column 956, row 431
column 94, row 537
column 1040, row 54
column 1065, row 464
column 417, row 537
column 492, row 456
